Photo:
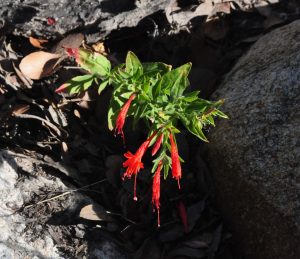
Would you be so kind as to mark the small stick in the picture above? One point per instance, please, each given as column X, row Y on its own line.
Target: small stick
column 30, row 116
column 63, row 194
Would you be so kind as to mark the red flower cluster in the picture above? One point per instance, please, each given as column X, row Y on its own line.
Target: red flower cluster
column 134, row 161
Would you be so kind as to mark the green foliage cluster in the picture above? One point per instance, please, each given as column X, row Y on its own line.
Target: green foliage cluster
column 162, row 99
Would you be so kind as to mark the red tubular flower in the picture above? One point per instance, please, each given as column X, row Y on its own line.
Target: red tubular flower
column 156, row 191
column 134, row 162
column 62, row 88
column 122, row 116
column 176, row 167
column 157, row 145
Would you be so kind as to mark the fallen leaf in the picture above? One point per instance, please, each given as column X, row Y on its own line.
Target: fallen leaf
column 20, row 109
column 37, row 42
column 39, row 64
column 64, row 147
column 99, row 47
column 70, row 41
column 221, row 8
column 77, row 114
column 94, row 212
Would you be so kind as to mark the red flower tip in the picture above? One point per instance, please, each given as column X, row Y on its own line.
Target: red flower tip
column 183, row 216
column 62, row 88
column 122, row 116
column 51, row 21
column 156, row 191
column 157, row 145
column 73, row 52
column 176, row 167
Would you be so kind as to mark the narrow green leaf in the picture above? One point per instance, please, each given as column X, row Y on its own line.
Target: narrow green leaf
column 102, row 86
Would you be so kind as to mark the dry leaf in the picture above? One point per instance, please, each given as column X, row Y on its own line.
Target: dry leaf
column 99, row 47
column 94, row 212
column 77, row 113
column 70, row 41
column 37, row 42
column 64, row 147
column 39, row 64
column 19, row 109
column 221, row 8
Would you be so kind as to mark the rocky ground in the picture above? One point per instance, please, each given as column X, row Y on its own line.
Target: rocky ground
column 60, row 167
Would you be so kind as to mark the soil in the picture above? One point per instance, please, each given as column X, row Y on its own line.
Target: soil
column 83, row 151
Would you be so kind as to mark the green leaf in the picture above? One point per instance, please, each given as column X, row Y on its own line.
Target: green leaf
column 175, row 82
column 192, row 96
column 182, row 81
column 153, row 68
column 79, row 84
column 193, row 125
column 102, row 86
column 221, row 114
column 95, row 64
column 133, row 65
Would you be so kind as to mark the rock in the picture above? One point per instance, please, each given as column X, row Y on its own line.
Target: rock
column 97, row 18
column 47, row 230
column 255, row 155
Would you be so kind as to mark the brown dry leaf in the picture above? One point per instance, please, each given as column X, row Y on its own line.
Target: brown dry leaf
column 12, row 80
column 64, row 147
column 70, row 41
column 99, row 47
column 77, row 114
column 37, row 42
column 39, row 64
column 94, row 212
column 221, row 8
column 19, row 109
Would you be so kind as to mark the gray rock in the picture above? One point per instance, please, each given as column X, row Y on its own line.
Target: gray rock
column 255, row 156
column 39, row 231
column 97, row 18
